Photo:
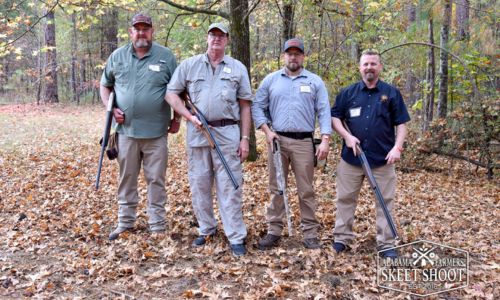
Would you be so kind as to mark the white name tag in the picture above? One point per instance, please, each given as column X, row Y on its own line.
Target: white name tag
column 305, row 89
column 154, row 68
column 226, row 70
column 355, row 112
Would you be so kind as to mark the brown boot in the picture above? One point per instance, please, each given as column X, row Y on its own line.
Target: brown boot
column 269, row 241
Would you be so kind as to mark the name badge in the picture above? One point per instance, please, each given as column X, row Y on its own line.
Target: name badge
column 226, row 70
column 355, row 112
column 154, row 68
column 305, row 89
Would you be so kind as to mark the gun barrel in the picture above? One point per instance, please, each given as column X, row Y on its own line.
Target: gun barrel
column 280, row 179
column 105, row 136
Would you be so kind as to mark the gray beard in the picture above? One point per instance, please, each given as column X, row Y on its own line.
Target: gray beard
column 142, row 43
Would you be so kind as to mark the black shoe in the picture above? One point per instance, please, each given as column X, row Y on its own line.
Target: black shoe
column 389, row 253
column 312, row 243
column 269, row 241
column 238, row 249
column 339, row 247
column 202, row 240
column 116, row 233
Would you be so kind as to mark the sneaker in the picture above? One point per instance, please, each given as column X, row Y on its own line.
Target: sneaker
column 202, row 240
column 339, row 247
column 389, row 253
column 312, row 243
column 269, row 241
column 116, row 233
column 238, row 249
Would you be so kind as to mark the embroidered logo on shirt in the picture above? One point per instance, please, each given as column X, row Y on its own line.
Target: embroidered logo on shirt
column 383, row 98
column 154, row 68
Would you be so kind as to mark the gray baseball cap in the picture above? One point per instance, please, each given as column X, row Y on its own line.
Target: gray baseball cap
column 221, row 26
column 294, row 43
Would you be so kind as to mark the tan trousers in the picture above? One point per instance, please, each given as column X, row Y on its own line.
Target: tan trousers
column 299, row 154
column 349, row 181
column 152, row 153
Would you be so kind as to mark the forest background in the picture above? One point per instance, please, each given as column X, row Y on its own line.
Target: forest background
column 442, row 54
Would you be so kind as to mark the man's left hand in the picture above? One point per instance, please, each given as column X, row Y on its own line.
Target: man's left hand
column 322, row 150
column 393, row 156
column 174, row 126
column 243, row 150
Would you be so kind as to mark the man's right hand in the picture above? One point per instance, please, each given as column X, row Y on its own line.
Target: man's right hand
column 270, row 136
column 351, row 141
column 119, row 115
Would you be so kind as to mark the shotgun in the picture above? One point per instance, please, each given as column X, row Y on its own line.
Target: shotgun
column 373, row 184
column 280, row 179
column 210, row 138
column 105, row 135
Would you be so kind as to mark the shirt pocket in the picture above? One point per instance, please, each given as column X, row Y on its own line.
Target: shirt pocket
column 229, row 86
column 306, row 91
column 159, row 77
column 194, row 88
column 121, row 72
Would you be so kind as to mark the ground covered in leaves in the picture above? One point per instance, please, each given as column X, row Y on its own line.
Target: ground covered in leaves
column 54, row 225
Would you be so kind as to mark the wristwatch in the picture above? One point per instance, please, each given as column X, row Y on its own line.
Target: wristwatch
column 245, row 137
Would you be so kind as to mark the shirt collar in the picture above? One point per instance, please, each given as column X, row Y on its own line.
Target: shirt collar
column 132, row 50
column 365, row 88
column 303, row 73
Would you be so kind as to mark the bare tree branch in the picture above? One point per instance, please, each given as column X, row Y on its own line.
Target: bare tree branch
column 251, row 9
column 220, row 13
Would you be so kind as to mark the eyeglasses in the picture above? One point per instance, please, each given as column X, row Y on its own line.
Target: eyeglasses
column 143, row 30
column 215, row 35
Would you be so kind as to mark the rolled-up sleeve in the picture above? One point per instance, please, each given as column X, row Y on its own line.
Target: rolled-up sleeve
column 260, row 105
column 244, row 89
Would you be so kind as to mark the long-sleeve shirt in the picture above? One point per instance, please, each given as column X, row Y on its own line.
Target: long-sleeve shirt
column 291, row 104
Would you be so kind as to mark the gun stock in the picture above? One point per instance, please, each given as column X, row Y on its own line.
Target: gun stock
column 211, row 139
column 280, row 179
column 105, row 136
column 373, row 184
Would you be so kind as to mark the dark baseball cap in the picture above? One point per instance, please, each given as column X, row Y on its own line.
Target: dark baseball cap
column 221, row 26
column 294, row 43
column 142, row 18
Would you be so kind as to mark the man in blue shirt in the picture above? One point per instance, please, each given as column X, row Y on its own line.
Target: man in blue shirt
column 285, row 108
column 375, row 113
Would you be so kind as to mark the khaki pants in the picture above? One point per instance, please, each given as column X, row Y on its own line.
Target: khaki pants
column 205, row 167
column 300, row 155
column 349, row 181
column 152, row 153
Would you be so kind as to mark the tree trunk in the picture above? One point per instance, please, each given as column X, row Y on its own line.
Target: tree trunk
column 357, row 27
column 240, row 49
column 51, row 94
column 288, row 16
column 430, row 78
column 462, row 19
column 74, row 50
column 110, row 33
column 412, row 14
column 443, row 64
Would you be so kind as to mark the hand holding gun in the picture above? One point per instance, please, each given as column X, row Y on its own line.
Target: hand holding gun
column 358, row 151
column 210, row 138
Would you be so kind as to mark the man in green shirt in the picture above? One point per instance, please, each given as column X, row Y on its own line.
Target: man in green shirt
column 138, row 73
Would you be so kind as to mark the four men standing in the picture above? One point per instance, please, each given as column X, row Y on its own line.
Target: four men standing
column 286, row 107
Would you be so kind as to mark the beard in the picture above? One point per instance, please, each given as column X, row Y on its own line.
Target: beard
column 293, row 67
column 370, row 76
column 142, row 43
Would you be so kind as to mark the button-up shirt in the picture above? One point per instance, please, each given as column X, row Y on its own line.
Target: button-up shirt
column 291, row 104
column 139, row 85
column 371, row 115
column 215, row 94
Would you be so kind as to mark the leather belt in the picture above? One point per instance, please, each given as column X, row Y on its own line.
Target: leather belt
column 222, row 123
column 296, row 135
